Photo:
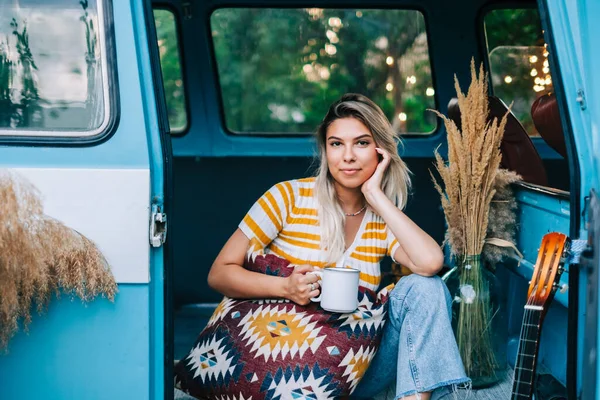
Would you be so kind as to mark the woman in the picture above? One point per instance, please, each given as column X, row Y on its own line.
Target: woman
column 350, row 215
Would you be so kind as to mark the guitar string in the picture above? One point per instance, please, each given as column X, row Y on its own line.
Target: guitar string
column 526, row 328
column 524, row 336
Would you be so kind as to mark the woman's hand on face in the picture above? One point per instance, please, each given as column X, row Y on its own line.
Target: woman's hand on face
column 298, row 285
column 372, row 186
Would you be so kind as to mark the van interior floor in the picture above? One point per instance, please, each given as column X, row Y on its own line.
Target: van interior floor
column 191, row 319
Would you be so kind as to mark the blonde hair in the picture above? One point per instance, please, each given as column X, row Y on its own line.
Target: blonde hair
column 396, row 181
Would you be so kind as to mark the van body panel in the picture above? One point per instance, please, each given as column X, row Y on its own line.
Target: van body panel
column 539, row 213
column 574, row 30
column 106, row 190
column 109, row 206
column 83, row 351
column 158, row 147
column 589, row 14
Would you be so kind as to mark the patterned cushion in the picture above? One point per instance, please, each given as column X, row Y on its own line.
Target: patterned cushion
column 275, row 349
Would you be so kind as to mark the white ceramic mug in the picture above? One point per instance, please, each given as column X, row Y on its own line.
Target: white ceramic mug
column 339, row 289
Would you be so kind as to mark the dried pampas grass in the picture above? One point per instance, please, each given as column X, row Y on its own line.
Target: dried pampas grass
column 502, row 220
column 40, row 256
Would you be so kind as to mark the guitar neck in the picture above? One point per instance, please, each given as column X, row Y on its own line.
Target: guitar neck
column 527, row 354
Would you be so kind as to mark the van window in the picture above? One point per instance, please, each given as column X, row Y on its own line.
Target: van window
column 52, row 70
column 279, row 69
column 518, row 60
column 170, row 62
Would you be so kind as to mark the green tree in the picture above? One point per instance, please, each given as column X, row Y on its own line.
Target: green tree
column 279, row 69
column 168, row 46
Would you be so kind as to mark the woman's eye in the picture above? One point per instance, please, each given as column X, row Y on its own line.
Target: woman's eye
column 334, row 144
column 363, row 143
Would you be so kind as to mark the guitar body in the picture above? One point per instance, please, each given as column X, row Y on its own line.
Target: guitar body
column 544, row 282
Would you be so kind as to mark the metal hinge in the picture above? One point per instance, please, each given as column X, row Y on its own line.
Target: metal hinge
column 581, row 99
column 158, row 226
column 186, row 6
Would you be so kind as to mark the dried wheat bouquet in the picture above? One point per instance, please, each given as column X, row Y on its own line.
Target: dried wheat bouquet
column 40, row 256
column 473, row 162
column 470, row 178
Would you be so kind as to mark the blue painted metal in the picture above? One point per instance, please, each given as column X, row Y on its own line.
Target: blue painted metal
column 102, row 350
column 157, row 188
column 575, row 31
column 82, row 351
column 538, row 214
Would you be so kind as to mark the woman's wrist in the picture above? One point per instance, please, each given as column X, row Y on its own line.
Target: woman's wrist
column 280, row 288
column 378, row 201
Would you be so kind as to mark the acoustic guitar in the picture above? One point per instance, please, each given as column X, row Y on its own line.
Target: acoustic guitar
column 544, row 282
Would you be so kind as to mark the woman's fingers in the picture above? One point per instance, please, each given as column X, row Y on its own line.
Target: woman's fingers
column 303, row 269
column 384, row 162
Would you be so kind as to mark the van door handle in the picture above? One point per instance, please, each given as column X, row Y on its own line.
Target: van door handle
column 158, row 226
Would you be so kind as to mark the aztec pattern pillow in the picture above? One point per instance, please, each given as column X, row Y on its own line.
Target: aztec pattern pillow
column 276, row 349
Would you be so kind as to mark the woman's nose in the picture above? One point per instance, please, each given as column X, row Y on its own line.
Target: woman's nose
column 349, row 154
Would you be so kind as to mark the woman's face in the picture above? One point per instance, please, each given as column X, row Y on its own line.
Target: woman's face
column 350, row 152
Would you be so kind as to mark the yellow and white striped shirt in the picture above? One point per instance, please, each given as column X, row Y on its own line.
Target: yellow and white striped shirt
column 284, row 221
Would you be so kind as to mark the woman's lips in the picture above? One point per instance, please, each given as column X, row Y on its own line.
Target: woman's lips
column 350, row 172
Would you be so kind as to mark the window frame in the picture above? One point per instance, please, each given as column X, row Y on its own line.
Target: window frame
column 544, row 150
column 299, row 135
column 110, row 87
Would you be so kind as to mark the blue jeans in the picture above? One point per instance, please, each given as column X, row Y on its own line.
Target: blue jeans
column 419, row 341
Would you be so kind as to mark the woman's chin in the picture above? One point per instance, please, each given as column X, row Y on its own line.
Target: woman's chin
column 349, row 183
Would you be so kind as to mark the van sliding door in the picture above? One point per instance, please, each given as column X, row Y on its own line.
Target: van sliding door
column 590, row 262
column 79, row 122
column 571, row 29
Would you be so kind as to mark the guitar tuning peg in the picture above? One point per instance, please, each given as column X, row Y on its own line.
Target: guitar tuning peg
column 563, row 288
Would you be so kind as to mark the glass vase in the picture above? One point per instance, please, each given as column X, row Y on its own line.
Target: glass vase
column 478, row 320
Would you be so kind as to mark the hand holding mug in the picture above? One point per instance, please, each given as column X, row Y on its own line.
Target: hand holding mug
column 301, row 285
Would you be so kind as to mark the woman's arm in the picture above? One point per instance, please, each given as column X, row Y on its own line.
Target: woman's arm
column 228, row 277
column 418, row 251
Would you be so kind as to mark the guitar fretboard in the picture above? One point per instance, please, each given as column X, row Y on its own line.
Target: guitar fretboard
column 526, row 355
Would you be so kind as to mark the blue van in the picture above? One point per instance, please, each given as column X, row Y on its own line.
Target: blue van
column 152, row 126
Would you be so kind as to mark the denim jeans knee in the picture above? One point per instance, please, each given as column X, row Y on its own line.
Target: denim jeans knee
column 418, row 339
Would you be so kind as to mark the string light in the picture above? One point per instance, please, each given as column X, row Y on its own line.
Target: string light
column 402, row 116
column 508, row 79
column 429, row 92
column 332, row 36
column 389, row 60
column 389, row 87
column 335, row 22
